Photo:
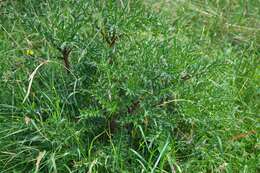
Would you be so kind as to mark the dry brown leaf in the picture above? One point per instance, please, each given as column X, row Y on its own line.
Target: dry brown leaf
column 243, row 135
column 223, row 167
column 31, row 77
column 27, row 120
column 38, row 160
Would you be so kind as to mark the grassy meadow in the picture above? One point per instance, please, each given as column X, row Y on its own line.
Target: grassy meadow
column 129, row 86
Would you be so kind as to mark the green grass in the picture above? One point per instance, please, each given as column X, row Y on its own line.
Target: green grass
column 129, row 86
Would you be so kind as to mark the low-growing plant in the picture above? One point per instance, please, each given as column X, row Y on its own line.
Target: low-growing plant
column 116, row 87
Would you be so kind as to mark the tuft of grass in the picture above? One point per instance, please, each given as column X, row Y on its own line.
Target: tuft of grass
column 129, row 86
